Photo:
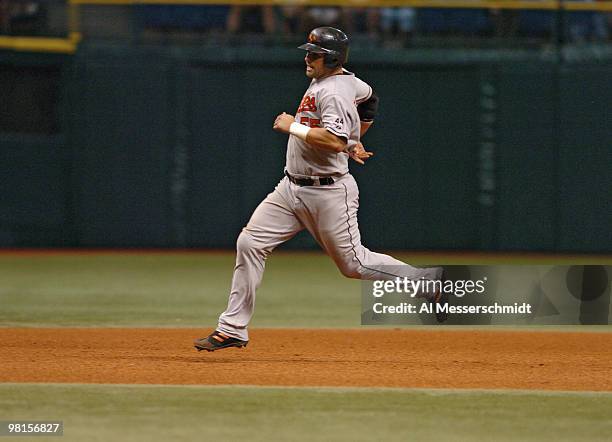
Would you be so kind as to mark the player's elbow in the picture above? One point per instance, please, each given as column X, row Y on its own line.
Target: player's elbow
column 340, row 147
column 338, row 144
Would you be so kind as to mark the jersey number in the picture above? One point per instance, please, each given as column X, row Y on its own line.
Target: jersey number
column 311, row 122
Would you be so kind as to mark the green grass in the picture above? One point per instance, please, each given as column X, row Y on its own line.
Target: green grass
column 176, row 290
column 299, row 290
column 178, row 413
column 169, row 290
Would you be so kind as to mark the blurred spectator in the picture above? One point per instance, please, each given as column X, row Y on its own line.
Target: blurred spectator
column 505, row 22
column 292, row 18
column 602, row 24
column 4, row 17
column 172, row 18
column 397, row 24
column 22, row 17
column 361, row 21
column 251, row 19
column 587, row 26
column 322, row 16
column 354, row 21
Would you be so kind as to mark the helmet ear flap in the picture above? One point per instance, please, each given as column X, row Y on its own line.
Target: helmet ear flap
column 331, row 61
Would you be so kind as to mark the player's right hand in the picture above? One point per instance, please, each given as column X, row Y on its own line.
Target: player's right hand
column 283, row 122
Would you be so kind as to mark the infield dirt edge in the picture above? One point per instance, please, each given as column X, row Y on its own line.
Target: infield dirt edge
column 397, row 358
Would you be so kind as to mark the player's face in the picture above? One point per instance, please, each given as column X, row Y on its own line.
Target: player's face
column 315, row 67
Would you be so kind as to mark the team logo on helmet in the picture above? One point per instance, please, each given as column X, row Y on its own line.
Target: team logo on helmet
column 331, row 42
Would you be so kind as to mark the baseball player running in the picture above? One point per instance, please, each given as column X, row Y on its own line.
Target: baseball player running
column 317, row 192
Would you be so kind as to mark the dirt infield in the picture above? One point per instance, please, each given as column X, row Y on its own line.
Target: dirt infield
column 293, row 357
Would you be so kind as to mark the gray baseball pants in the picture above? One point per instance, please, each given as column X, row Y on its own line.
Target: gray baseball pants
column 330, row 215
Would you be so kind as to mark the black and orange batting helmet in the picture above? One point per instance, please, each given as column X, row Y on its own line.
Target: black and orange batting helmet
column 331, row 42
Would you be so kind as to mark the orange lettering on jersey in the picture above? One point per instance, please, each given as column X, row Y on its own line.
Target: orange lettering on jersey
column 307, row 104
column 311, row 122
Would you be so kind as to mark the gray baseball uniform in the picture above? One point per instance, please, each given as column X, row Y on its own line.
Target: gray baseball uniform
column 328, row 211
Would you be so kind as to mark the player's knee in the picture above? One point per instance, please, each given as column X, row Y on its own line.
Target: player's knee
column 247, row 244
column 350, row 269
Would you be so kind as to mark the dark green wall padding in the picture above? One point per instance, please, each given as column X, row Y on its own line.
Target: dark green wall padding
column 171, row 147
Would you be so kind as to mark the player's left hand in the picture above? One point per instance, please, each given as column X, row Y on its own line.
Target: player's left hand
column 282, row 123
column 359, row 154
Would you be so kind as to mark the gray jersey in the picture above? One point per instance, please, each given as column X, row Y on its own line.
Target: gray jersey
column 330, row 103
column 329, row 211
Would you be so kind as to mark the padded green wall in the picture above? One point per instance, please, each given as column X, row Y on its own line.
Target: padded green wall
column 174, row 147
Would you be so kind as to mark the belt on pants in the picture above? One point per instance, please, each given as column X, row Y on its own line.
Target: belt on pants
column 321, row 181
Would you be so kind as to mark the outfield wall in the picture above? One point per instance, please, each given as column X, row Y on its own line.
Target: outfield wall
column 121, row 146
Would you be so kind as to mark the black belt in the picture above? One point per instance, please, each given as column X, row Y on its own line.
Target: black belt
column 322, row 181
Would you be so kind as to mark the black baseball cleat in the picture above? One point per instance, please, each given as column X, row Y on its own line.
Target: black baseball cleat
column 216, row 341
